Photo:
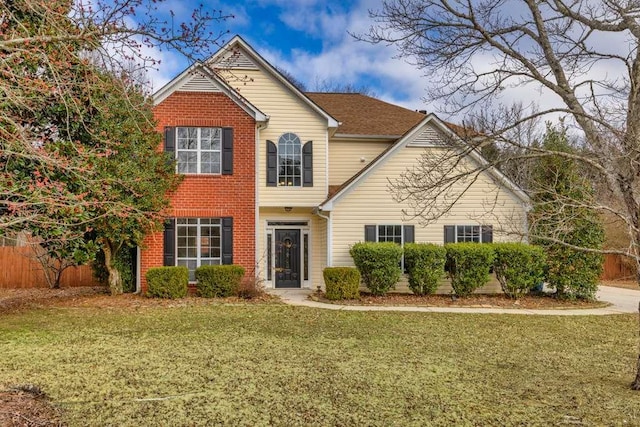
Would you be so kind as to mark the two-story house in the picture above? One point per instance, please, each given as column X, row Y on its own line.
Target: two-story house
column 282, row 182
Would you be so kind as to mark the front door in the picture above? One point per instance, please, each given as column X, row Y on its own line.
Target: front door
column 287, row 264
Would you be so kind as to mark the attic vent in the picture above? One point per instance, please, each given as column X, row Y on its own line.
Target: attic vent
column 236, row 59
column 199, row 83
column 428, row 137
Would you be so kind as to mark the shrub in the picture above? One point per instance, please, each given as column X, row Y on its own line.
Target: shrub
column 379, row 265
column 250, row 288
column 167, row 282
column 341, row 282
column 469, row 265
column 424, row 263
column 218, row 280
column 519, row 267
column 573, row 273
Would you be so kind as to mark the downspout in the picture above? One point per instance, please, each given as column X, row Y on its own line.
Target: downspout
column 527, row 208
column 329, row 236
column 138, row 269
column 257, row 197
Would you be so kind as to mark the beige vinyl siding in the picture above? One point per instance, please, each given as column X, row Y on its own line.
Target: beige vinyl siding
column 346, row 157
column 317, row 241
column 371, row 203
column 287, row 113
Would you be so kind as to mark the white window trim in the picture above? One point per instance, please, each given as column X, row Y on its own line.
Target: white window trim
column 198, row 226
column 278, row 162
column 401, row 237
column 468, row 225
column 198, row 150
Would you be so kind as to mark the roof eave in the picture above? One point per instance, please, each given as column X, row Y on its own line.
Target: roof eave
column 358, row 136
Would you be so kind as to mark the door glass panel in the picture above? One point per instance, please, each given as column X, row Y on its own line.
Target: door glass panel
column 306, row 257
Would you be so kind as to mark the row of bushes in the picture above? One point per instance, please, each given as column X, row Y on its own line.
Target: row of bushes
column 212, row 281
column 518, row 267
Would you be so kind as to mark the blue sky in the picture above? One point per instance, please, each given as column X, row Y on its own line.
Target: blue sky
column 310, row 39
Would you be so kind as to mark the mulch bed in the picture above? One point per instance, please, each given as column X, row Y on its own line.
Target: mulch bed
column 27, row 406
column 98, row 297
column 476, row 300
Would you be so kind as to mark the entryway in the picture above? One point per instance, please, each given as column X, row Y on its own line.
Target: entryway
column 287, row 258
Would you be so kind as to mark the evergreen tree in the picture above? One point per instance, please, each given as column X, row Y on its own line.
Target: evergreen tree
column 563, row 222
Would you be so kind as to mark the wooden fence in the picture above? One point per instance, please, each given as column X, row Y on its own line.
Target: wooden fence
column 616, row 267
column 19, row 270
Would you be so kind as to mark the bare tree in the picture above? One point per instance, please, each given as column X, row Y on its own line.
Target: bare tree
column 335, row 86
column 580, row 57
column 49, row 50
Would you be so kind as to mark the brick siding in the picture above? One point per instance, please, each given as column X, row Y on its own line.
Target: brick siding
column 211, row 196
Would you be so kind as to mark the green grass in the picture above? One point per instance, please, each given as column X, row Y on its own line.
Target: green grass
column 280, row 365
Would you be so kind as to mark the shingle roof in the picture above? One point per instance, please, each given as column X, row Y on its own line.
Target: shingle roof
column 363, row 115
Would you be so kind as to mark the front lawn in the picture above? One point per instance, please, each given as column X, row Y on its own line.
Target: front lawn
column 281, row 365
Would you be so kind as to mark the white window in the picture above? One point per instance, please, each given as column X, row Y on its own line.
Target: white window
column 390, row 233
column 199, row 243
column 468, row 233
column 198, row 149
column 289, row 160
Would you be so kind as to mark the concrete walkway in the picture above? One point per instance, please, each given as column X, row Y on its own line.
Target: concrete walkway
column 621, row 300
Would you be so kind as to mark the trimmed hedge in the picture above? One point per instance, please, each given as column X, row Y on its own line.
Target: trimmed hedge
column 424, row 263
column 167, row 282
column 519, row 267
column 341, row 283
column 218, row 280
column 469, row 265
column 378, row 263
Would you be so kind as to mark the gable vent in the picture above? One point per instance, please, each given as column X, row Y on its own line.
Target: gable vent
column 428, row 137
column 199, row 83
column 236, row 59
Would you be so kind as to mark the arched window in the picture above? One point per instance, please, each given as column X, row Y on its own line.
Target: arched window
column 289, row 160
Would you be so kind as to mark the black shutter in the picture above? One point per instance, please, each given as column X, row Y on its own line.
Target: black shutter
column 169, row 139
column 307, row 164
column 272, row 164
column 370, row 233
column 227, row 151
column 227, row 240
column 449, row 234
column 487, row 234
column 409, row 234
column 169, row 250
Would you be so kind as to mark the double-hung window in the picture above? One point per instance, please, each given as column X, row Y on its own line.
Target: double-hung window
column 468, row 234
column 289, row 160
column 198, row 150
column 399, row 234
column 199, row 242
column 390, row 233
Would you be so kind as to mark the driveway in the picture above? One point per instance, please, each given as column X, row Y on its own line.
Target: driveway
column 624, row 300
column 621, row 300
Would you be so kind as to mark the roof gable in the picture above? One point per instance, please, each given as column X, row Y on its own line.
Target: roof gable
column 421, row 135
column 198, row 78
column 237, row 53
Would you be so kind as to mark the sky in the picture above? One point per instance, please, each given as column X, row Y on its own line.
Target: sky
column 310, row 39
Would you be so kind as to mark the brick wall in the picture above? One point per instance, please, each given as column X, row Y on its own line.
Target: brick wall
column 211, row 196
